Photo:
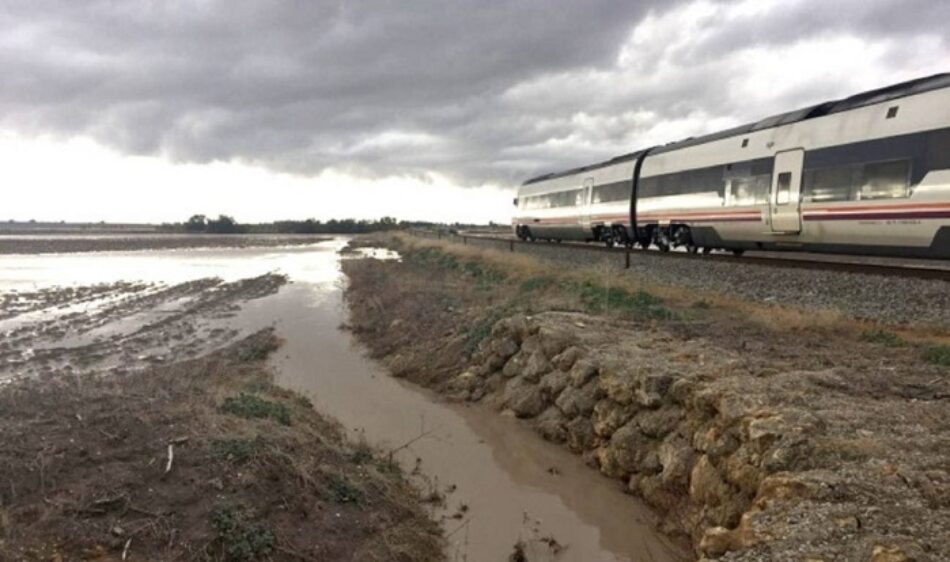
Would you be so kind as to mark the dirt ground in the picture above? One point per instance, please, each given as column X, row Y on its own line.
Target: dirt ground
column 808, row 438
column 203, row 459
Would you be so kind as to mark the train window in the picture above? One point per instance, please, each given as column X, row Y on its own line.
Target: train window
column 745, row 143
column 749, row 190
column 885, row 180
column 828, row 184
column 892, row 112
column 783, row 188
column 619, row 191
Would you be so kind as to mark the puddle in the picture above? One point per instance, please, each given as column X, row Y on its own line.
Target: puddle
column 513, row 485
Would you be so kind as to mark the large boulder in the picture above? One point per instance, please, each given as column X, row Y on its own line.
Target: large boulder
column 626, row 452
column 567, row 358
column 579, row 401
column 658, row 423
column 552, row 425
column 609, row 415
column 553, row 383
column 523, row 398
column 582, row 372
column 580, row 435
column 516, row 365
column 676, row 456
column 536, row 366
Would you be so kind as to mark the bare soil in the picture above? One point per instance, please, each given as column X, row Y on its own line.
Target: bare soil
column 197, row 460
column 806, row 440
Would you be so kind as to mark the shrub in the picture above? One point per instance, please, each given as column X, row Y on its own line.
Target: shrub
column 241, row 540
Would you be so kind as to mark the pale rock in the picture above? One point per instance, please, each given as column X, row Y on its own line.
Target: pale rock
column 552, row 425
column 553, row 383
column 536, row 366
column 578, row 401
column 716, row 541
column 567, row 358
column 658, row 423
column 580, row 435
column 523, row 398
column 676, row 457
column 582, row 372
column 653, row 389
column 609, row 415
column 706, row 486
column 515, row 366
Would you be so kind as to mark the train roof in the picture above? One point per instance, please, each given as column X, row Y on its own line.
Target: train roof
column 880, row 95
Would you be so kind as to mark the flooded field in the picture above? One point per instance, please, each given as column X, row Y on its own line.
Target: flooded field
column 501, row 484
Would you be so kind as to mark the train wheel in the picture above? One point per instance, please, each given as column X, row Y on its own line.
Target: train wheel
column 738, row 253
column 707, row 250
column 661, row 240
column 692, row 248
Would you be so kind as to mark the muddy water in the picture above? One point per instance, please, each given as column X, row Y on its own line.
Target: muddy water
column 513, row 485
column 507, row 484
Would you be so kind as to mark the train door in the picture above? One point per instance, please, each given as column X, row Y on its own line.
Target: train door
column 785, row 214
column 584, row 203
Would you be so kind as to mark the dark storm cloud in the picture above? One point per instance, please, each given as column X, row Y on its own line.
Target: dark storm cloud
column 386, row 87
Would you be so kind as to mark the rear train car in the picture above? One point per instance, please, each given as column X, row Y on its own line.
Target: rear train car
column 869, row 174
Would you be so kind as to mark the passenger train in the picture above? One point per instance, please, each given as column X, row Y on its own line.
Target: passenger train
column 869, row 174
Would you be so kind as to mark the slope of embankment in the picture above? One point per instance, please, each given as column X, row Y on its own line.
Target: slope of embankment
column 197, row 460
column 760, row 432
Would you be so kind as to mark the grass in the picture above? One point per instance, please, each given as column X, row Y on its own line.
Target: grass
column 252, row 406
column 640, row 304
column 938, row 355
column 237, row 451
column 241, row 539
column 343, row 491
column 882, row 337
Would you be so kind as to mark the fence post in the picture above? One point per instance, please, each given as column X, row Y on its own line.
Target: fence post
column 465, row 240
column 627, row 263
column 511, row 245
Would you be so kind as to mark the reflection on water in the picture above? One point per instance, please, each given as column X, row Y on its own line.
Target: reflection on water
column 513, row 485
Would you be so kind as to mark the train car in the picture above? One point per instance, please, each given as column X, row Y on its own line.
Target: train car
column 869, row 174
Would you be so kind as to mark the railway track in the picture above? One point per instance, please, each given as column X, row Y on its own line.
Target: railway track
column 939, row 271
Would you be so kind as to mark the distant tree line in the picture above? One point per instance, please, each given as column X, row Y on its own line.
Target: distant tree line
column 224, row 224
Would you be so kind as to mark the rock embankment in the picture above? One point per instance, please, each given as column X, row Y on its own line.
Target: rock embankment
column 747, row 465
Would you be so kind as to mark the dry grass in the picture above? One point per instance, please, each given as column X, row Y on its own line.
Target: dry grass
column 773, row 317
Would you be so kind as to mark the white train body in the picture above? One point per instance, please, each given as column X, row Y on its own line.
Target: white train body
column 869, row 175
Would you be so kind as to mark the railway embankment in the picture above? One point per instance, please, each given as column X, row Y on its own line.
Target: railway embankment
column 759, row 432
column 872, row 297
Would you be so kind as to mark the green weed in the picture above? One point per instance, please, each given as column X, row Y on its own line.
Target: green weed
column 882, row 337
column 343, row 491
column 640, row 304
column 237, row 451
column 251, row 406
column 241, row 539
column 533, row 284
column 938, row 355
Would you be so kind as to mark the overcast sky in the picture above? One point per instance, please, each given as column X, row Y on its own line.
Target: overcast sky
column 150, row 110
